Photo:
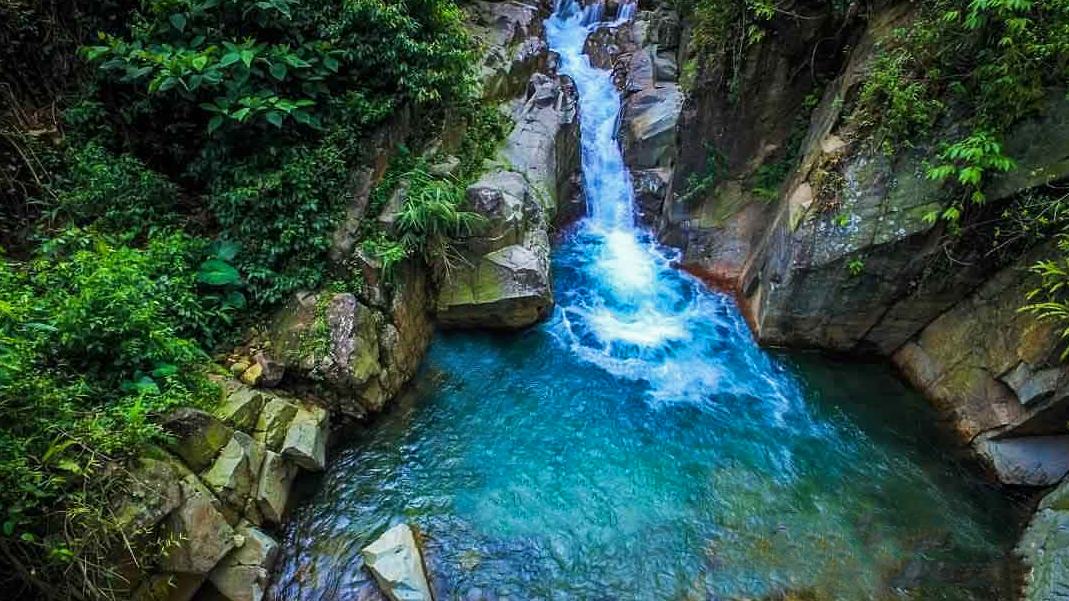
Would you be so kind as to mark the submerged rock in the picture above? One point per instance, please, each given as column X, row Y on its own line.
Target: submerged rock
column 395, row 561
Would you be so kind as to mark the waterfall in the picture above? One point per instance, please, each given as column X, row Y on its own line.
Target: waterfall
column 635, row 315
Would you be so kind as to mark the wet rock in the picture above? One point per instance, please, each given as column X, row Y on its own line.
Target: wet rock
column 664, row 66
column 648, row 133
column 274, row 486
column 651, row 188
column 1033, row 461
column 243, row 575
column 305, row 442
column 394, row 559
column 198, row 436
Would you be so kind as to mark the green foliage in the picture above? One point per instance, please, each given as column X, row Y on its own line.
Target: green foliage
column 95, row 340
column 1050, row 300
column 856, row 267
column 967, row 162
column 265, row 104
column 992, row 60
column 699, row 184
column 118, row 194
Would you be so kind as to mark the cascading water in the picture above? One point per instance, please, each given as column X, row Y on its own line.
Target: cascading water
column 639, row 445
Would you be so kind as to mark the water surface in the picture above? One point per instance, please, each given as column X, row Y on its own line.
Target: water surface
column 639, row 445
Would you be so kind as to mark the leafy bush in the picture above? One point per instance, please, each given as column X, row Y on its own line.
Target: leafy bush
column 269, row 100
column 95, row 340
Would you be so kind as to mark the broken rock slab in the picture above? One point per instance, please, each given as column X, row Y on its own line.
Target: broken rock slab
column 395, row 562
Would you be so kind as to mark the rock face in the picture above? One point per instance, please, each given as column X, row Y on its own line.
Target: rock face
column 361, row 348
column 512, row 35
column 395, row 561
column 505, row 279
column 1044, row 549
column 213, row 517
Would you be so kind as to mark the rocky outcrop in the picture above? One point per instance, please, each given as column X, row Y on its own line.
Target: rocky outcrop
column 512, row 35
column 209, row 507
column 504, row 280
column 358, row 349
column 395, row 561
column 849, row 262
column 1044, row 549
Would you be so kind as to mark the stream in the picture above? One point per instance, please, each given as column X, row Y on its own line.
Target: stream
column 640, row 445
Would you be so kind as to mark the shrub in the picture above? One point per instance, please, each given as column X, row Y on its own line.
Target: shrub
column 95, row 340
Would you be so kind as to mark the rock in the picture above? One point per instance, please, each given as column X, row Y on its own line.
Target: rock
column 234, row 475
column 395, row 561
column 648, row 132
column 201, row 532
column 664, row 66
column 1014, row 382
column 241, row 408
column 1058, row 498
column 271, row 371
column 153, row 492
column 1044, row 550
column 238, row 367
column 1033, row 461
column 509, row 288
column 274, row 422
column 651, row 188
column 306, row 438
column 500, row 198
column 275, row 484
column 198, row 436
column 251, row 376
column 511, row 36
column 244, row 574
column 446, row 167
column 169, row 587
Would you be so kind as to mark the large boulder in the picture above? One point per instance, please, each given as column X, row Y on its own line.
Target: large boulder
column 244, row 574
column 1014, row 382
column 509, row 288
column 274, row 486
column 395, row 561
column 306, row 438
column 505, row 279
column 510, row 33
column 356, row 349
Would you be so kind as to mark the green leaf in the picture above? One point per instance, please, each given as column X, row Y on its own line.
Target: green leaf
column 229, row 59
column 278, row 71
column 225, row 250
column 164, row 369
column 178, row 21
column 200, row 62
column 275, row 118
column 235, row 300
column 240, row 114
column 215, row 123
column 331, row 63
column 247, row 56
column 168, row 83
column 9, row 528
column 218, row 273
